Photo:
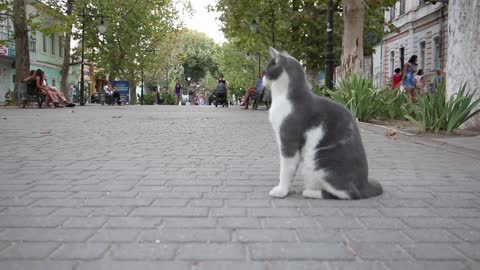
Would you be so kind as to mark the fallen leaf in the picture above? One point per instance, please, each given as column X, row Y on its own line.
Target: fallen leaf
column 390, row 132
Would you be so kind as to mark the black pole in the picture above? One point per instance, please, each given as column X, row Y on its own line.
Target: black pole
column 82, row 78
column 329, row 53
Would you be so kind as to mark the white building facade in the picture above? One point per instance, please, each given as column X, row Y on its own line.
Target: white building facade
column 422, row 31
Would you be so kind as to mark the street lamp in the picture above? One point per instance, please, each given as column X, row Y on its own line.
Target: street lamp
column 329, row 52
column 102, row 28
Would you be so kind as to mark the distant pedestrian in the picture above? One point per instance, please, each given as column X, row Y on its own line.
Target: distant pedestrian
column 396, row 79
column 192, row 92
column 408, row 78
column 439, row 78
column 178, row 93
column 420, row 82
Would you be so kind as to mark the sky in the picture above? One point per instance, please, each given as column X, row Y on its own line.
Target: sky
column 204, row 21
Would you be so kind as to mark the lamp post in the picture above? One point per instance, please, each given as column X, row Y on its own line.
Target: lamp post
column 102, row 28
column 329, row 52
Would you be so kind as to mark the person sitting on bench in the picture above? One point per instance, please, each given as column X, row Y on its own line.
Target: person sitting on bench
column 255, row 91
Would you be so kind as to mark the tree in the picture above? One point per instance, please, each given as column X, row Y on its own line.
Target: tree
column 134, row 28
column 463, row 54
column 299, row 26
column 22, row 59
column 352, row 55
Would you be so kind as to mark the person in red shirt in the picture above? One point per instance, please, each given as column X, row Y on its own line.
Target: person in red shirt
column 397, row 78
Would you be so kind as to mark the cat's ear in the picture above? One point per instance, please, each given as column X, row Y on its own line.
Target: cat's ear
column 273, row 53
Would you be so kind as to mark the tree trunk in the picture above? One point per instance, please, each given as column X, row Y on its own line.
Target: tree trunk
column 463, row 51
column 66, row 53
column 352, row 55
column 22, row 58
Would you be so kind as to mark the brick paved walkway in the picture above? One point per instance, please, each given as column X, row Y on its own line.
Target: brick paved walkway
column 159, row 187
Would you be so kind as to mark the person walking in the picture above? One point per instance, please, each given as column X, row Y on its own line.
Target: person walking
column 178, row 93
column 396, row 79
column 408, row 77
column 420, row 82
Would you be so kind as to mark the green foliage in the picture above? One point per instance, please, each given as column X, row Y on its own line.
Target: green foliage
column 198, row 51
column 168, row 98
column 360, row 96
column 150, row 98
column 434, row 113
column 299, row 27
column 393, row 104
column 319, row 90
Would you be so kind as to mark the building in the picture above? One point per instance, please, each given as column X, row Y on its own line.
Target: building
column 46, row 53
column 422, row 31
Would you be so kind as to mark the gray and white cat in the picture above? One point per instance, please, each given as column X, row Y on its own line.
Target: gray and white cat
column 317, row 132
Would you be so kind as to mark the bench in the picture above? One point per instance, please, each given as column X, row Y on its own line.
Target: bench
column 26, row 99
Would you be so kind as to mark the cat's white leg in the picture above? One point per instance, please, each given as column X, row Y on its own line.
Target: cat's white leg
column 288, row 168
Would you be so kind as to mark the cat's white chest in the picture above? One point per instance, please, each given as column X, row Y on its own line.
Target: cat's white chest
column 280, row 109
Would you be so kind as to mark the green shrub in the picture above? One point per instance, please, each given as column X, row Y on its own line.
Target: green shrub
column 360, row 96
column 393, row 106
column 168, row 98
column 150, row 98
column 434, row 113
column 319, row 90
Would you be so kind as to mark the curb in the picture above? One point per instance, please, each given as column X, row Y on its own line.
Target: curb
column 379, row 129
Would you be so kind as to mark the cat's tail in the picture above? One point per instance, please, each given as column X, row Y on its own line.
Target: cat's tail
column 371, row 189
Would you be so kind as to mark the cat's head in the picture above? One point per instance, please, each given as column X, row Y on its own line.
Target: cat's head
column 282, row 66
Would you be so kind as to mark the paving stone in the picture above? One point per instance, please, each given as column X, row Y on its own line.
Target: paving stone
column 21, row 221
column 190, row 222
column 431, row 235
column 85, row 222
column 185, row 235
column 129, row 265
column 299, row 265
column 471, row 250
column 211, row 252
column 292, row 222
column 436, row 251
column 37, row 265
column 265, row 235
column 80, row 251
column 170, row 212
column 319, row 235
column 143, row 251
column 390, row 236
column 357, row 266
column 28, row 251
column 115, row 235
column 379, row 251
column 294, row 251
column 44, row 234
column 132, row 222
column 239, row 222
column 219, row 265
column 444, row 265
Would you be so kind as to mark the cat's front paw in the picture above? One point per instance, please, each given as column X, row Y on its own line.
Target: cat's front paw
column 279, row 192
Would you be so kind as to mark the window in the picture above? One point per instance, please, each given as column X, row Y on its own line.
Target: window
column 402, row 57
column 53, row 44
column 60, row 46
column 436, row 53
column 422, row 55
column 402, row 7
column 392, row 62
column 392, row 13
column 44, row 37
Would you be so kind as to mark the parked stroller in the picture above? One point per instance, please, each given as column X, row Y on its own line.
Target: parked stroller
column 221, row 95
